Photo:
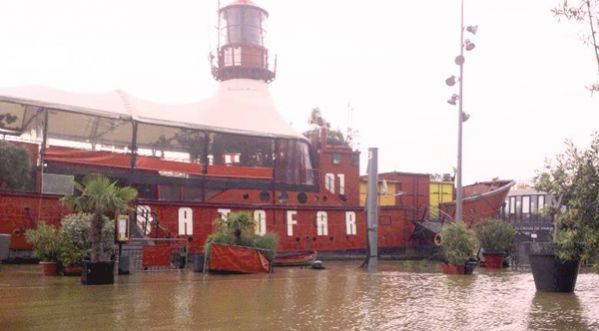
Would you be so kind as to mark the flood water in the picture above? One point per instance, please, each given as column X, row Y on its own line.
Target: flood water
column 401, row 296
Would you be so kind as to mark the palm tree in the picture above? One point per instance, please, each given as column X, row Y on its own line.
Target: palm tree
column 99, row 197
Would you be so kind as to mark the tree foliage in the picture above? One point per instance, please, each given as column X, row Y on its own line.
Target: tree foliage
column 573, row 180
column 334, row 136
column 15, row 167
column 587, row 13
column 239, row 229
column 100, row 197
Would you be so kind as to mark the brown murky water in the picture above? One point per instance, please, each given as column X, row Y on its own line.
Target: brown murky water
column 401, row 296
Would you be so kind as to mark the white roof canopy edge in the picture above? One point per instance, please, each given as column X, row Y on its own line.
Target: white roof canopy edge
column 240, row 106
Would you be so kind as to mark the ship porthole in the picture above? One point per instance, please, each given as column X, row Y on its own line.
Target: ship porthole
column 245, row 196
column 283, row 197
column 302, row 197
column 264, row 196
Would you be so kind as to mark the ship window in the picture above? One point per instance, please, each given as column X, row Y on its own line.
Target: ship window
column 253, row 26
column 525, row 204
column 294, row 165
column 176, row 144
column 145, row 191
column 232, row 17
column 355, row 159
column 192, row 193
column 336, row 158
column 90, row 132
column 169, row 192
column 228, row 149
column 58, row 184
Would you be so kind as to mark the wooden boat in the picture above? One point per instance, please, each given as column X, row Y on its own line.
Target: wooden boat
column 481, row 200
column 236, row 259
column 294, row 259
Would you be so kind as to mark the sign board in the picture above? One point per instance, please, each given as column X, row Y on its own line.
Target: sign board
column 122, row 225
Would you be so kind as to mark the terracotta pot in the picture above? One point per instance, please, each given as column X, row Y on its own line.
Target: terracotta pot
column 74, row 270
column 493, row 260
column 452, row 269
column 48, row 268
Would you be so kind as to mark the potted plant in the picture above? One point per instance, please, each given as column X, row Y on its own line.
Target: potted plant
column 74, row 241
column 239, row 230
column 100, row 197
column 573, row 180
column 458, row 244
column 45, row 242
column 495, row 238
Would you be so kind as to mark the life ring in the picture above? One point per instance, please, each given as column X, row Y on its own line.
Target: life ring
column 438, row 240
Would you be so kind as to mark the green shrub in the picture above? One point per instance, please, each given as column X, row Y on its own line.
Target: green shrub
column 15, row 167
column 458, row 243
column 45, row 241
column 495, row 235
column 75, row 241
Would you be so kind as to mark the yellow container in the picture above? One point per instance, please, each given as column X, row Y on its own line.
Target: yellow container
column 387, row 192
column 439, row 192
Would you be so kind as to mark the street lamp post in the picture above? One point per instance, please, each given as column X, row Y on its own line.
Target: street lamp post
column 465, row 44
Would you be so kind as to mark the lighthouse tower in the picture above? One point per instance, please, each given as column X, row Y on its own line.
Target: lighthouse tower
column 241, row 48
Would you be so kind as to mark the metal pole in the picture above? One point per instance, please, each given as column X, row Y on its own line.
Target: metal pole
column 459, row 198
column 43, row 150
column 372, row 210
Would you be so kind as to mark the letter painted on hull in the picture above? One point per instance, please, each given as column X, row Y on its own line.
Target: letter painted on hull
column 260, row 222
column 291, row 221
column 185, row 221
column 329, row 182
column 224, row 213
column 350, row 223
column 144, row 218
column 322, row 223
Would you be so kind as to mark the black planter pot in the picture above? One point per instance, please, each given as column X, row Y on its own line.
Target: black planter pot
column 124, row 265
column 549, row 272
column 198, row 262
column 97, row 273
column 469, row 267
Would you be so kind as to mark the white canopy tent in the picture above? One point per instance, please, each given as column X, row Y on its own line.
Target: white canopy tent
column 240, row 106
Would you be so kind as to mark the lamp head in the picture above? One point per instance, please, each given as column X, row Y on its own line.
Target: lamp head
column 469, row 45
column 450, row 81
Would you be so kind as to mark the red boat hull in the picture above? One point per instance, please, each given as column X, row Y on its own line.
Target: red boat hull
column 295, row 259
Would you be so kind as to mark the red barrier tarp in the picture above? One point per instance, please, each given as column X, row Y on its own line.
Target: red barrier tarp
column 236, row 259
column 156, row 256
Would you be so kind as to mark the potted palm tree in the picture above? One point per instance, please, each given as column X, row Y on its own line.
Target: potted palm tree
column 495, row 238
column 573, row 180
column 458, row 244
column 100, row 197
column 45, row 242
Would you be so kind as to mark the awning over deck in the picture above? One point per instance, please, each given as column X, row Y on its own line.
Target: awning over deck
column 239, row 106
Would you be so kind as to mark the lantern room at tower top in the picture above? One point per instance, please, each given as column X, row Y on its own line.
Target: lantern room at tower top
column 242, row 52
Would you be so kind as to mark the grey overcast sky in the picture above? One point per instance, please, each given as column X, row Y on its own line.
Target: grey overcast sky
column 524, row 82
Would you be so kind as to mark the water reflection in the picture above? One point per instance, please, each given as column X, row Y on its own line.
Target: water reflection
column 556, row 311
column 401, row 296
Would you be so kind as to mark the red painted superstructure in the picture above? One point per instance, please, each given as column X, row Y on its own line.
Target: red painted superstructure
column 197, row 162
